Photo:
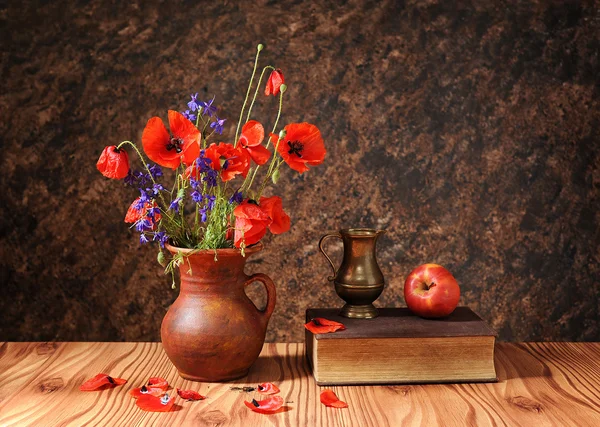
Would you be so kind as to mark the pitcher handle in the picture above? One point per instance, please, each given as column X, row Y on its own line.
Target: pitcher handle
column 271, row 295
column 321, row 242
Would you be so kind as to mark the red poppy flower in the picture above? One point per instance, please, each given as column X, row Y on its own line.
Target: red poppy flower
column 144, row 390
column 253, row 134
column 268, row 388
column 133, row 214
column 251, row 224
column 274, row 83
column 100, row 382
column 302, row 146
column 329, row 398
column 190, row 395
column 113, row 162
column 169, row 150
column 151, row 403
column 229, row 160
column 274, row 209
column 319, row 325
column 267, row 406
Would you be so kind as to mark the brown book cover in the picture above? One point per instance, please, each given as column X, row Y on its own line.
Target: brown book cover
column 400, row 348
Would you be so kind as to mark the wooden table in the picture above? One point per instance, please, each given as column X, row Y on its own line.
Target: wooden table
column 540, row 384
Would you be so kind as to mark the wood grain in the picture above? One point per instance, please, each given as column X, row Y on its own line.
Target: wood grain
column 545, row 384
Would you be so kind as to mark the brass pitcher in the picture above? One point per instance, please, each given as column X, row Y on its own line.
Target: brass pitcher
column 359, row 280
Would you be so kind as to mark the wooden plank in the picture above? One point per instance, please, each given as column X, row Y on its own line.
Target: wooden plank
column 540, row 384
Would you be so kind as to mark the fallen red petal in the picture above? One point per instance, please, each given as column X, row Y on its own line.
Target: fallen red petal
column 143, row 391
column 158, row 382
column 190, row 395
column 155, row 404
column 329, row 398
column 101, row 381
column 268, row 388
column 267, row 406
column 319, row 325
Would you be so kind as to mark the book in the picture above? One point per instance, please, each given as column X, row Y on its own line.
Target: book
column 398, row 347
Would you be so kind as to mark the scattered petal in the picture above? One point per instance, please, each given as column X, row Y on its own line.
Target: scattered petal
column 143, row 391
column 158, row 382
column 267, row 406
column 329, row 398
column 319, row 325
column 190, row 395
column 151, row 403
column 100, row 381
column 268, row 388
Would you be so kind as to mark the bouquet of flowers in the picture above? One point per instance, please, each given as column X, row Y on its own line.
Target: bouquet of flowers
column 216, row 200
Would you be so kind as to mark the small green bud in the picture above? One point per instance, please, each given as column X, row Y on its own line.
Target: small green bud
column 283, row 88
column 260, row 47
column 282, row 133
column 275, row 176
column 173, row 284
column 181, row 193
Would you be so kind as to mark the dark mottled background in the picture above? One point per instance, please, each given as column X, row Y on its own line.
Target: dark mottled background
column 468, row 130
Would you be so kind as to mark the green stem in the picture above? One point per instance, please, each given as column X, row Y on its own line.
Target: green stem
column 268, row 67
column 270, row 171
column 237, row 131
column 278, row 112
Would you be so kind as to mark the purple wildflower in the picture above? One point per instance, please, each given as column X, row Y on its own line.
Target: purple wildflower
column 156, row 188
column 189, row 115
column 210, row 178
column 143, row 225
column 203, row 214
column 197, row 197
column 143, row 239
column 237, row 197
column 151, row 212
column 202, row 162
column 142, row 201
column 211, row 202
column 194, row 183
column 143, row 178
column 218, row 125
column 194, row 104
column 162, row 238
column 208, row 107
column 155, row 171
column 130, row 179
column 174, row 206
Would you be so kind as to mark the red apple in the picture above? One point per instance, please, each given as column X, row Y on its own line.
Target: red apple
column 431, row 291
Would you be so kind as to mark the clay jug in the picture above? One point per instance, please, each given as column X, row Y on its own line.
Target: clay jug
column 213, row 331
column 358, row 280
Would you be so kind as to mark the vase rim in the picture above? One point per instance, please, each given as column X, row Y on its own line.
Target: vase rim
column 223, row 251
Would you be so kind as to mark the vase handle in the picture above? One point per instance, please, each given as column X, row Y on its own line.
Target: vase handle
column 271, row 296
column 325, row 237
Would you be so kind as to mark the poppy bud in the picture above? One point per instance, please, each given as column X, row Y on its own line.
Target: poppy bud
column 274, row 83
column 283, row 88
column 275, row 176
column 161, row 259
column 113, row 162
column 282, row 133
column 259, row 47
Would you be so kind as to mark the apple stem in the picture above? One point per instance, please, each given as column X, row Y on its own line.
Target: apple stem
column 431, row 286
